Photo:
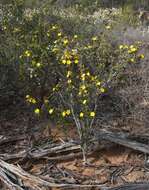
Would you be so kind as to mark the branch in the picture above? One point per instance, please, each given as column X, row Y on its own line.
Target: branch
column 31, row 181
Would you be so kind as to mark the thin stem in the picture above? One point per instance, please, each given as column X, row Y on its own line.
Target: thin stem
column 95, row 108
column 78, row 125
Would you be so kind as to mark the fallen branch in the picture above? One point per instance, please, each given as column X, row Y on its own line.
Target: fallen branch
column 18, row 155
column 69, row 150
column 121, row 139
column 10, row 139
column 9, row 184
column 135, row 186
column 44, row 151
column 31, row 181
column 55, row 152
column 57, row 149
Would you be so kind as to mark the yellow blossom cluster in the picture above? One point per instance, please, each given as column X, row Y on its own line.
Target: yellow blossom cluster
column 37, row 111
column 141, row 56
column 55, row 88
column 51, row 110
column 133, row 52
column 27, row 53
column 94, row 38
column 108, row 27
column 70, row 57
column 66, row 113
column 30, row 99
column 130, row 48
column 91, row 114
column 65, row 41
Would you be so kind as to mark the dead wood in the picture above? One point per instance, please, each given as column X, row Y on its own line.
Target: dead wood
column 51, row 150
column 18, row 155
column 70, row 150
column 121, row 139
column 10, row 139
column 24, row 179
column 8, row 183
column 56, row 149
column 143, row 186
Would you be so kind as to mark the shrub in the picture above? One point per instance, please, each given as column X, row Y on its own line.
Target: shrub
column 81, row 71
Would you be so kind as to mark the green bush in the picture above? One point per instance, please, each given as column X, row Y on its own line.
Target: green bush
column 81, row 71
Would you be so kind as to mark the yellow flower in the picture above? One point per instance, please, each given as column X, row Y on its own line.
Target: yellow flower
column 132, row 60
column 92, row 114
column 54, row 88
column 121, row 46
column 131, row 46
column 138, row 42
column 83, row 76
column 92, row 78
column 65, row 41
column 108, row 27
column 75, row 36
column 64, row 61
column 68, row 62
column 30, row 99
column 4, row 27
column 81, row 114
column 142, row 56
column 68, row 112
column 89, row 46
column 63, row 113
column 38, row 65
column 37, row 111
column 69, row 73
column 74, row 51
column 59, row 34
column 132, row 49
column 33, row 101
column 102, row 90
column 84, row 102
column 85, row 91
column 27, row 96
column 76, row 61
column 67, row 54
column 83, row 87
column 88, row 74
column 51, row 111
column 98, row 83
column 27, row 53
column 94, row 38
column 69, row 81
column 54, row 27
